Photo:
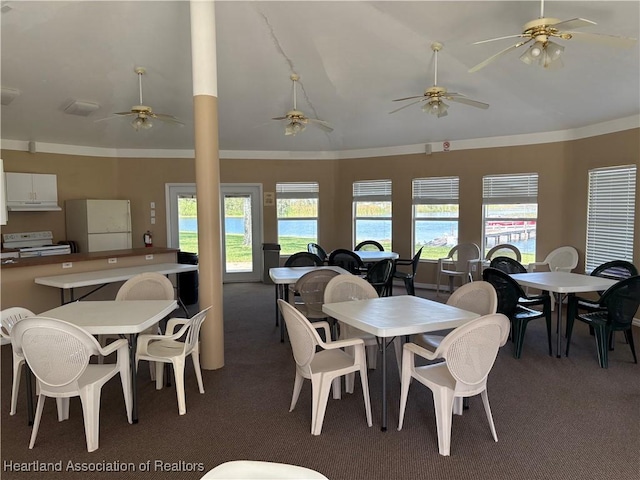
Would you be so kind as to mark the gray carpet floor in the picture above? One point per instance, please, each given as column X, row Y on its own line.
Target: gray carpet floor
column 555, row 418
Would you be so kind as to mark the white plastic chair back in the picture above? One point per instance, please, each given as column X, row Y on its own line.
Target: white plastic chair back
column 471, row 350
column 504, row 250
column 343, row 288
column 479, row 297
column 58, row 353
column 146, row 286
column 562, row 259
column 255, row 470
column 9, row 317
column 311, row 287
column 462, row 254
column 303, row 337
column 193, row 334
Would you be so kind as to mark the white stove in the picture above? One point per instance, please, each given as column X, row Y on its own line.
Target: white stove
column 32, row 244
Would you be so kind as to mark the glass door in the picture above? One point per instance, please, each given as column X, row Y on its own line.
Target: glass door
column 241, row 229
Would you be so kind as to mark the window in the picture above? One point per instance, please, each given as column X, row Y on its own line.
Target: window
column 372, row 212
column 435, row 215
column 297, row 207
column 510, row 212
column 610, row 215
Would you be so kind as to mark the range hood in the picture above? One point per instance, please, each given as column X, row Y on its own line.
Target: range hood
column 33, row 207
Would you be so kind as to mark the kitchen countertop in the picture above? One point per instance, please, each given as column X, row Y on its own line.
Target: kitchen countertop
column 82, row 257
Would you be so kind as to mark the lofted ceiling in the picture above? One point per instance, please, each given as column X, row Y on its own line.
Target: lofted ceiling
column 353, row 58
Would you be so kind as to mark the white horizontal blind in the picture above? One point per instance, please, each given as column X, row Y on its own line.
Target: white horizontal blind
column 610, row 215
column 297, row 190
column 505, row 189
column 372, row 191
column 435, row 191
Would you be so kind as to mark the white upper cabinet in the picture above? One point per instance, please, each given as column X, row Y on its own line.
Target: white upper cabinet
column 31, row 191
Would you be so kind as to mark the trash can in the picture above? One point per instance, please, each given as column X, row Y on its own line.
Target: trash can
column 188, row 281
column 271, row 259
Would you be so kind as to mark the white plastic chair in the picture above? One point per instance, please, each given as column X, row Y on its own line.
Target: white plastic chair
column 324, row 366
column 469, row 352
column 479, row 297
column 562, row 259
column 344, row 288
column 458, row 264
column 10, row 317
column 145, row 286
column 58, row 354
column 254, row 470
column 168, row 348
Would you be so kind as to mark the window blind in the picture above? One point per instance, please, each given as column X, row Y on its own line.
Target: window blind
column 435, row 191
column 297, row 190
column 520, row 188
column 372, row 191
column 610, row 215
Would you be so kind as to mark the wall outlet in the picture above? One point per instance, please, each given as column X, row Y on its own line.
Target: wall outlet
column 148, row 257
column 113, row 260
column 67, row 265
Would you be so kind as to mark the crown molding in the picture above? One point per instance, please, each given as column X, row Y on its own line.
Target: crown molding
column 603, row 128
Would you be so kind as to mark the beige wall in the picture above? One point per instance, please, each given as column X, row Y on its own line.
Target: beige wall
column 562, row 169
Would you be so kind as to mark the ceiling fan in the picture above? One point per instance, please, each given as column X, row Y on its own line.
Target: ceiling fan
column 543, row 51
column 434, row 95
column 143, row 114
column 297, row 121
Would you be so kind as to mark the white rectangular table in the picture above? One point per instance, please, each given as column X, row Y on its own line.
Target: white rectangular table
column 100, row 278
column 285, row 276
column 371, row 256
column 389, row 317
column 563, row 284
column 127, row 318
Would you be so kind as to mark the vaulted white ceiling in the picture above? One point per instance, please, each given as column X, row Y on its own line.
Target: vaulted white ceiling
column 353, row 59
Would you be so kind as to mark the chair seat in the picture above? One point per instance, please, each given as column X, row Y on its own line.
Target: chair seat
column 438, row 375
column 454, row 272
column 523, row 313
column 330, row 360
column 165, row 349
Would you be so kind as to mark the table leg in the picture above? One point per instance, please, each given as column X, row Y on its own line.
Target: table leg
column 277, row 296
column 133, row 345
column 27, row 377
column 285, row 296
column 383, row 428
column 559, row 298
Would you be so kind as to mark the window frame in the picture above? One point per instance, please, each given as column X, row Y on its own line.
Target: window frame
column 372, row 191
column 509, row 189
column 297, row 191
column 439, row 191
column 610, row 225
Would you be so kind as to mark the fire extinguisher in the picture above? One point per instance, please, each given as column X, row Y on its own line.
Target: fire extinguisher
column 148, row 239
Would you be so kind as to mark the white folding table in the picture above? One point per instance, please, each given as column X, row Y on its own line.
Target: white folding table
column 100, row 278
column 389, row 317
column 285, row 276
column 126, row 318
column 563, row 284
column 371, row 256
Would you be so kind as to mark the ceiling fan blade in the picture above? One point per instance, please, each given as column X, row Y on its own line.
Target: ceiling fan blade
column 604, row 39
column 573, row 23
column 519, row 35
column 166, row 118
column 407, row 98
column 279, row 118
column 408, row 105
column 126, row 113
column 468, row 101
column 499, row 54
column 322, row 124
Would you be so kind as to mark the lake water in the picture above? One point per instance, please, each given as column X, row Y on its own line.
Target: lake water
column 426, row 232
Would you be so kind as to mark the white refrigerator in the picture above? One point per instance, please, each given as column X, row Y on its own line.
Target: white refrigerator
column 99, row 225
